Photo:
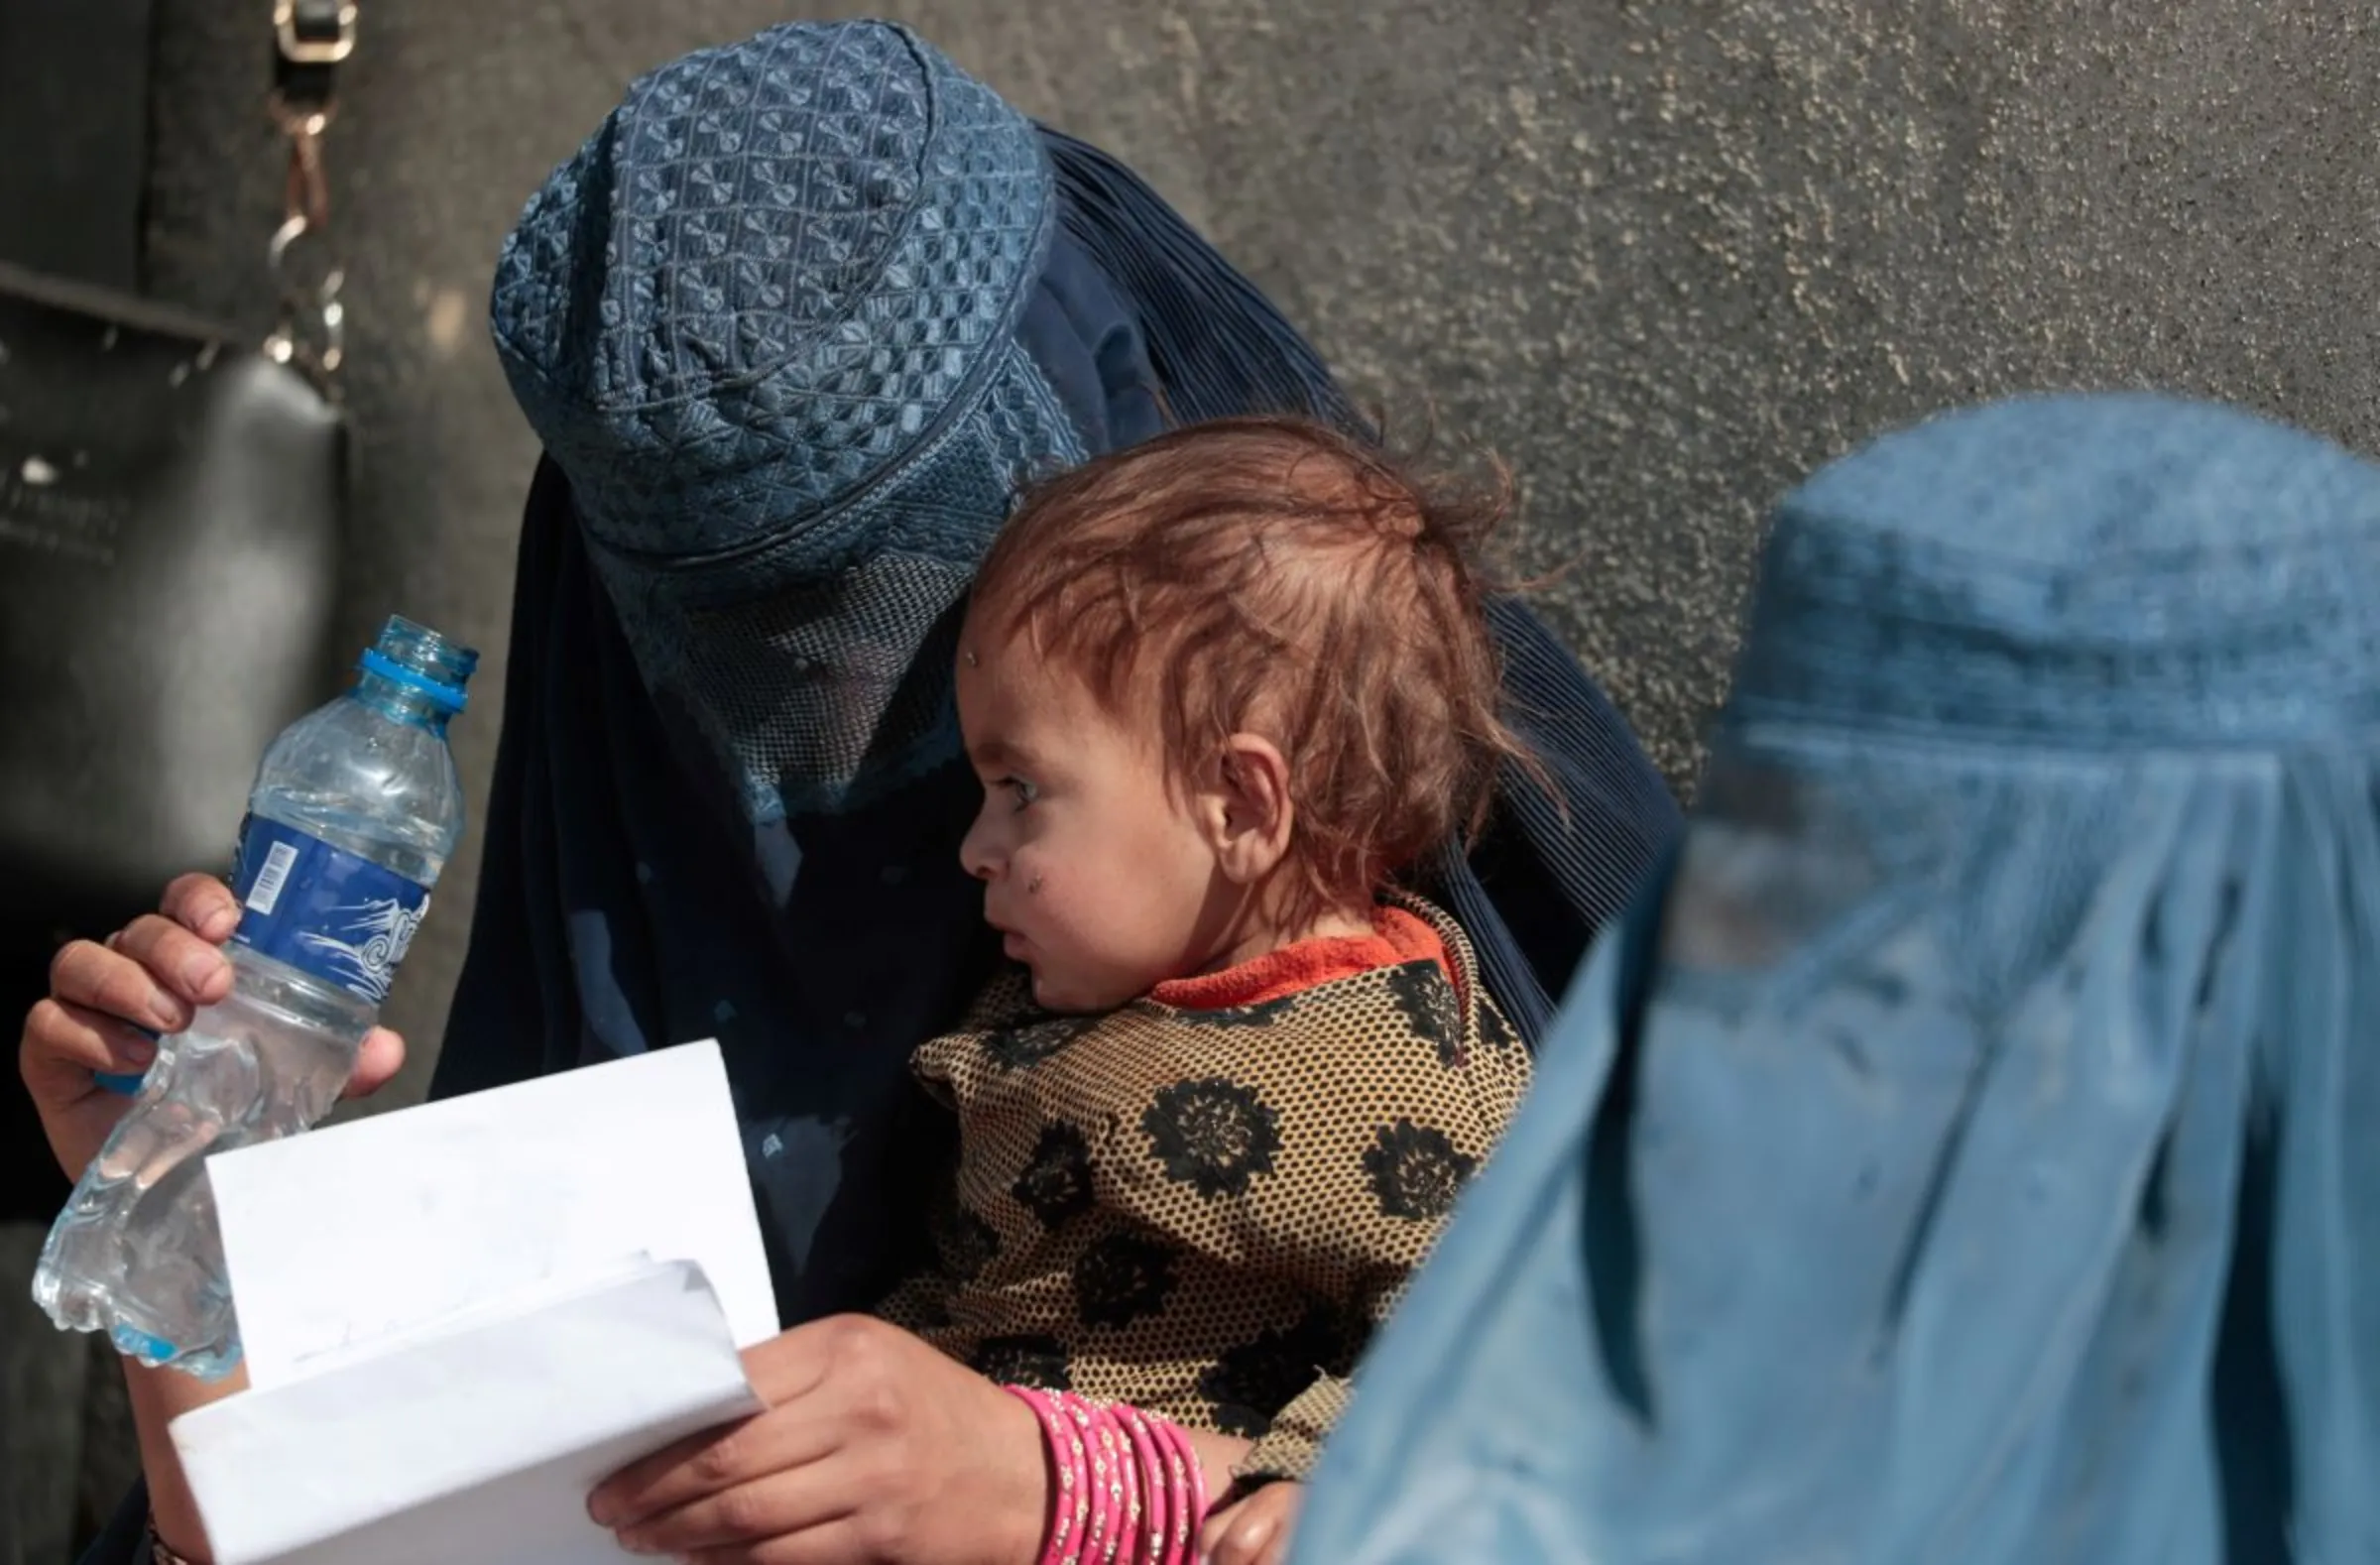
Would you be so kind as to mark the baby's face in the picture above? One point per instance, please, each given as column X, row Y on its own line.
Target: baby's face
column 1092, row 867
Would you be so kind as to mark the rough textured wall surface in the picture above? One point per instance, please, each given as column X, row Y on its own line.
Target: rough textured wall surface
column 1663, row 257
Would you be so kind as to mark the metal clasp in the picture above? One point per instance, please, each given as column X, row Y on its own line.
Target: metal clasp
column 311, row 332
column 313, row 329
column 313, row 51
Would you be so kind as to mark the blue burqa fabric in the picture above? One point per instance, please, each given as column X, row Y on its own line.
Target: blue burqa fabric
column 1965, row 1151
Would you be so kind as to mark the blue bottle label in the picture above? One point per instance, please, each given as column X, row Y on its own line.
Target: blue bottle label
column 323, row 910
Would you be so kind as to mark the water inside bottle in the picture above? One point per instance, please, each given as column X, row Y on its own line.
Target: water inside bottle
column 364, row 789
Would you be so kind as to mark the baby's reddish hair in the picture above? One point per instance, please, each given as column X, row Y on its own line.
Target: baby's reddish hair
column 1270, row 575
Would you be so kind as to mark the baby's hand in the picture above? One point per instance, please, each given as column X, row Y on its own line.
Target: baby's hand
column 1254, row 1530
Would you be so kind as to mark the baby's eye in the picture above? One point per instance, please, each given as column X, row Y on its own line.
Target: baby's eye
column 1025, row 792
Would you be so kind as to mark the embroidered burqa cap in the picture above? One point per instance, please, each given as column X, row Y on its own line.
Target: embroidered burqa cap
column 764, row 321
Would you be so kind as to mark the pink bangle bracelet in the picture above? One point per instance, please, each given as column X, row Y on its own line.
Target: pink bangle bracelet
column 1154, row 1533
column 1126, row 1486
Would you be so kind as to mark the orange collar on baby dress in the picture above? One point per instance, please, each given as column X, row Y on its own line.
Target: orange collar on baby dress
column 1398, row 937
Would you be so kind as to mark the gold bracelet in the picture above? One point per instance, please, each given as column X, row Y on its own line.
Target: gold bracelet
column 160, row 1552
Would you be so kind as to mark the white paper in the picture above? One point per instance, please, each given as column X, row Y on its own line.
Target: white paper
column 459, row 1318
column 475, row 1445
column 364, row 1231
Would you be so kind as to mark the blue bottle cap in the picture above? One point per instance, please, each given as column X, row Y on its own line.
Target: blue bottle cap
column 419, row 659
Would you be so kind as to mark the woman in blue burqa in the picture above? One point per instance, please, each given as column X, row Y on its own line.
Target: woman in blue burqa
column 793, row 326
column 1966, row 1153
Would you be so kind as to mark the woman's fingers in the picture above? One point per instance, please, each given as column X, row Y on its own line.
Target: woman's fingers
column 65, row 1044
column 62, row 1053
column 181, row 945
column 381, row 1058
column 841, row 1542
column 116, row 982
column 778, row 1505
column 874, row 1447
column 1233, row 1536
column 156, row 969
column 203, row 906
column 712, row 1463
column 151, row 976
column 1254, row 1531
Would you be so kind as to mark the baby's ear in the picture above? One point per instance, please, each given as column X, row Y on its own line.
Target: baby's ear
column 1248, row 813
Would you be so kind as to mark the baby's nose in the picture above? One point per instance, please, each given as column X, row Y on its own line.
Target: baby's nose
column 975, row 853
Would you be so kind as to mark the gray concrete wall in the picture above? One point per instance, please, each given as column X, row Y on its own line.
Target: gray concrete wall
column 1663, row 257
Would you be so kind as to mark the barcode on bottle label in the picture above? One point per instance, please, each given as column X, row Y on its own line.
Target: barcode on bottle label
column 323, row 910
column 279, row 860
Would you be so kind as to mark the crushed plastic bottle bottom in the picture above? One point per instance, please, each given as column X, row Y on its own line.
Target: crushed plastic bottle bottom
column 136, row 1253
column 157, row 1352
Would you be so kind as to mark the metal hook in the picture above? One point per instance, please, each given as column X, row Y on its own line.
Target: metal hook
column 307, row 191
column 312, row 328
column 277, row 251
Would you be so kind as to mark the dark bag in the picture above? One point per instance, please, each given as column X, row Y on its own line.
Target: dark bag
column 171, row 498
column 170, row 518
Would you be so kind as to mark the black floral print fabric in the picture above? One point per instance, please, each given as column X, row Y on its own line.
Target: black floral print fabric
column 1252, row 1381
column 1121, row 1279
column 1213, row 1134
column 1205, row 1213
column 1056, row 1183
column 1036, row 1358
column 1416, row 1171
column 1028, row 1044
column 1426, row 997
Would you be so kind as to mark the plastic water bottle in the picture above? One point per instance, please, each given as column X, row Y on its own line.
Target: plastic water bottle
column 356, row 809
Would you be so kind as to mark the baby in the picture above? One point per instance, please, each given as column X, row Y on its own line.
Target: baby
column 1222, row 691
